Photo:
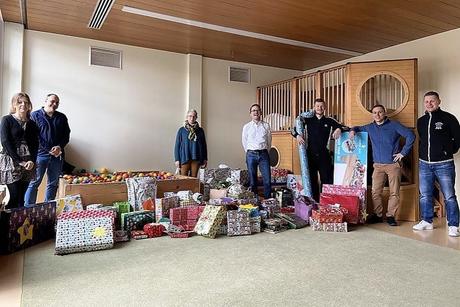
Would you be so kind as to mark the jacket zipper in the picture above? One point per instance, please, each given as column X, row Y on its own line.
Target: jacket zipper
column 429, row 137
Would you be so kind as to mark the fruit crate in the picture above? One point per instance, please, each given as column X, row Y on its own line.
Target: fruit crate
column 109, row 192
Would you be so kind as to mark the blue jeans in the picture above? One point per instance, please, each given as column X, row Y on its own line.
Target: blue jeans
column 444, row 173
column 259, row 158
column 52, row 166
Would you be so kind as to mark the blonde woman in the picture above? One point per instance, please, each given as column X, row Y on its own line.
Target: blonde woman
column 190, row 151
column 19, row 138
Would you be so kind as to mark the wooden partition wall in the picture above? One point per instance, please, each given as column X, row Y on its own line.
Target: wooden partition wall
column 350, row 91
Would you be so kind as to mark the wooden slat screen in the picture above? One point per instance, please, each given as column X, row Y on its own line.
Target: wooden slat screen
column 333, row 92
column 276, row 104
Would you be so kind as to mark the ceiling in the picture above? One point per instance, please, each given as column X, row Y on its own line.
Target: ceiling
column 353, row 26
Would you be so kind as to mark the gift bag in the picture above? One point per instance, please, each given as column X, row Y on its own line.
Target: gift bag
column 139, row 190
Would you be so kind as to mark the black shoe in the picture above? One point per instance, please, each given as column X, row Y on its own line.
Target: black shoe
column 374, row 219
column 391, row 221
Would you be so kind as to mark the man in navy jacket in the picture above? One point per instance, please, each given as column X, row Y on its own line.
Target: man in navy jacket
column 385, row 135
column 439, row 134
column 54, row 136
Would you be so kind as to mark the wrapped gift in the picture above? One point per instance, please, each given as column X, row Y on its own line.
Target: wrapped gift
column 279, row 175
column 26, row 226
column 69, row 203
column 251, row 209
column 238, row 223
column 274, row 225
column 287, row 209
column 284, row 197
column 223, row 227
column 153, row 230
column 120, row 236
column 138, row 234
column 271, row 206
column 348, row 190
column 329, row 214
column 94, row 207
column 139, row 190
column 303, row 205
column 213, row 176
column 210, row 220
column 82, row 231
column 328, row 227
column 217, row 193
column 294, row 183
column 293, row 221
column 349, row 202
column 136, row 220
column 163, row 205
column 255, row 223
column 149, row 204
column 247, row 201
column 240, row 176
column 181, row 235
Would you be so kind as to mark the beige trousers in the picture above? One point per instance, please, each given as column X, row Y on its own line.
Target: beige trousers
column 191, row 166
column 381, row 171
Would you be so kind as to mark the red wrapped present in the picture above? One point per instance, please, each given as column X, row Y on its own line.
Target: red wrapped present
column 178, row 216
column 184, row 234
column 287, row 210
column 154, row 230
column 348, row 190
column 349, row 202
column 328, row 214
column 138, row 234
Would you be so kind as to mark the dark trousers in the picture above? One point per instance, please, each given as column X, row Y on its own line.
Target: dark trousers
column 322, row 164
column 259, row 158
column 17, row 190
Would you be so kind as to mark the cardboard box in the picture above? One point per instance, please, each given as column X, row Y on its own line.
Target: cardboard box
column 110, row 192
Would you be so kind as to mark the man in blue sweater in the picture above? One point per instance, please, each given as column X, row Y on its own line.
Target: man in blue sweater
column 54, row 136
column 385, row 136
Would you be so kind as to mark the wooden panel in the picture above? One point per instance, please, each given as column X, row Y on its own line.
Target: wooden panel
column 107, row 193
column 11, row 10
column 283, row 142
column 358, row 73
column 361, row 26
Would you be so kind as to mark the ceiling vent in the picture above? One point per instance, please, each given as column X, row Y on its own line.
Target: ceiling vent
column 100, row 13
column 237, row 74
column 105, row 57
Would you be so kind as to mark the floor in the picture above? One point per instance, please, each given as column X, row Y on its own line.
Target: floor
column 11, row 266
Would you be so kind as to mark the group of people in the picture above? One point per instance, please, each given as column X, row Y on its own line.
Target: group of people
column 32, row 145
column 439, row 140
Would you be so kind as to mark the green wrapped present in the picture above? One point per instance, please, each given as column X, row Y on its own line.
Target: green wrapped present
column 136, row 220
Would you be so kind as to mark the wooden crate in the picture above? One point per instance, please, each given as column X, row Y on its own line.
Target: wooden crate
column 107, row 193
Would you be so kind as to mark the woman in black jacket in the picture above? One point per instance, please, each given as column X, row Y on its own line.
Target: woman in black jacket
column 19, row 138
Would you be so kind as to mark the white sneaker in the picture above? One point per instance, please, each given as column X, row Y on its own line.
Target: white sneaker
column 423, row 226
column 453, row 231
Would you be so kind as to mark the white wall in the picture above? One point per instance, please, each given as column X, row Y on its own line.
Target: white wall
column 128, row 119
column 12, row 65
column 226, row 107
column 121, row 119
column 438, row 69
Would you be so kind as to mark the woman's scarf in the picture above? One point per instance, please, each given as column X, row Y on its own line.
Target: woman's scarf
column 191, row 130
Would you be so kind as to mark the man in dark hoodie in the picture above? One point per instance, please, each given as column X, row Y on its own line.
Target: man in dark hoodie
column 54, row 136
column 385, row 135
column 439, row 134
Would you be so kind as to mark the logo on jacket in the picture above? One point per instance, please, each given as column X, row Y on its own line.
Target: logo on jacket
column 325, row 125
column 438, row 125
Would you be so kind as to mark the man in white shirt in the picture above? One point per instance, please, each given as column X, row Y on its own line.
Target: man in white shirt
column 257, row 141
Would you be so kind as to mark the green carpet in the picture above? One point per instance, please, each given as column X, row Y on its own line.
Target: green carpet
column 297, row 267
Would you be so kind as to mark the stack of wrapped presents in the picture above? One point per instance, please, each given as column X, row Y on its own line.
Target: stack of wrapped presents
column 229, row 209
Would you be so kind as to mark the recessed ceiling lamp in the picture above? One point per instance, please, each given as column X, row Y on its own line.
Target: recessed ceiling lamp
column 209, row 26
column 100, row 13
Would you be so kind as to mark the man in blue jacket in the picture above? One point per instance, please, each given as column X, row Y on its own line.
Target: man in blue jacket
column 439, row 139
column 385, row 136
column 54, row 136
